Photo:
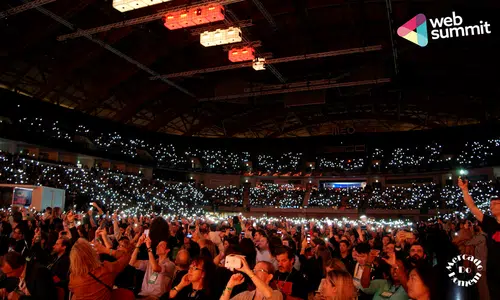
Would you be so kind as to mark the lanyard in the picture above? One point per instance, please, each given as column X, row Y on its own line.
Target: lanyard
column 54, row 262
column 280, row 288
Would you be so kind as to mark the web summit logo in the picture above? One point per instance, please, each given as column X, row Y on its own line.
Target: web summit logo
column 415, row 30
column 454, row 268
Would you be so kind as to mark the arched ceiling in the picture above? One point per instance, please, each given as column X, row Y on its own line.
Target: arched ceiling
column 367, row 78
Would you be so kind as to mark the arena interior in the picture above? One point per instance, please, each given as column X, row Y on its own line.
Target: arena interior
column 249, row 149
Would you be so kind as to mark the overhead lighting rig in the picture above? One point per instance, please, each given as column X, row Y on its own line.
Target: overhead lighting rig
column 127, row 5
column 259, row 64
column 221, row 37
column 241, row 54
column 194, row 16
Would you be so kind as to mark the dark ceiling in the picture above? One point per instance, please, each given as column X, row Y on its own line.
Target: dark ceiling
column 377, row 82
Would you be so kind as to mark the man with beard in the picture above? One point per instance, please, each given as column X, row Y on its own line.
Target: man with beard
column 416, row 255
column 59, row 267
column 290, row 282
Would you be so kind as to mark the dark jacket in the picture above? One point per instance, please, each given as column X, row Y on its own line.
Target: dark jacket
column 39, row 283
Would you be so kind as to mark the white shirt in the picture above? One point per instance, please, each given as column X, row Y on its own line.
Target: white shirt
column 214, row 236
column 266, row 256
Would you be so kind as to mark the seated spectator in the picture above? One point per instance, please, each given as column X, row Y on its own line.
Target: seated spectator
column 261, row 276
column 290, row 282
column 182, row 261
column 158, row 272
column 363, row 251
column 18, row 242
column 33, row 280
column 59, row 266
column 416, row 255
column 197, row 283
column 334, row 264
column 392, row 286
column 338, row 285
column 422, row 284
column 263, row 252
column 209, row 245
column 89, row 278
column 346, row 257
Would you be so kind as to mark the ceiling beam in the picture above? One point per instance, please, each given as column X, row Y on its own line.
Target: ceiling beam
column 180, row 105
column 352, row 115
column 76, row 60
column 24, row 7
column 273, row 61
column 116, row 52
column 215, row 119
column 138, row 100
column 30, row 38
column 108, row 80
column 298, row 89
column 256, row 116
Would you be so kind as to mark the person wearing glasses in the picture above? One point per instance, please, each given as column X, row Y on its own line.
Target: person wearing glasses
column 26, row 280
column 261, row 276
column 197, row 283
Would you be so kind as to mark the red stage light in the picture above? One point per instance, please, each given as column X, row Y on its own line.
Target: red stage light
column 194, row 16
column 241, row 54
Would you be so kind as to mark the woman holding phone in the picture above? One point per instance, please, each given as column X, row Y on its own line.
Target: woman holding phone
column 261, row 276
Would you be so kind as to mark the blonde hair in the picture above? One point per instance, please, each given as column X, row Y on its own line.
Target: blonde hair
column 83, row 258
column 344, row 284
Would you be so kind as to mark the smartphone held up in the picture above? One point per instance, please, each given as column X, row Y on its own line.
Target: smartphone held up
column 233, row 262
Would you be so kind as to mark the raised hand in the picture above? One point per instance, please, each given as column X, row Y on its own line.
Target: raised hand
column 141, row 240
column 235, row 280
column 99, row 248
column 372, row 255
column 391, row 260
column 463, row 184
column 184, row 281
column 148, row 242
column 244, row 266
column 70, row 217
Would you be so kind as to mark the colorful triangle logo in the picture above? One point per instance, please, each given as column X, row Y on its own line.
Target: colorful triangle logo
column 415, row 30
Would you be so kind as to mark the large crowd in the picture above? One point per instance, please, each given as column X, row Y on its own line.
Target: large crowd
column 134, row 194
column 122, row 236
column 58, row 254
column 428, row 156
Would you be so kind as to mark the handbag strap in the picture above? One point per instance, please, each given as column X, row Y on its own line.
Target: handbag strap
column 100, row 281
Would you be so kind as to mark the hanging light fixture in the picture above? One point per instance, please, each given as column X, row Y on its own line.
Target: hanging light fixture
column 194, row 16
column 259, row 64
column 242, row 54
column 221, row 37
column 127, row 5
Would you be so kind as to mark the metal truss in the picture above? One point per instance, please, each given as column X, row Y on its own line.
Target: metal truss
column 113, row 50
column 269, row 66
column 265, row 13
column 241, row 24
column 272, row 61
column 254, row 44
column 146, row 19
column 297, row 89
column 24, row 7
